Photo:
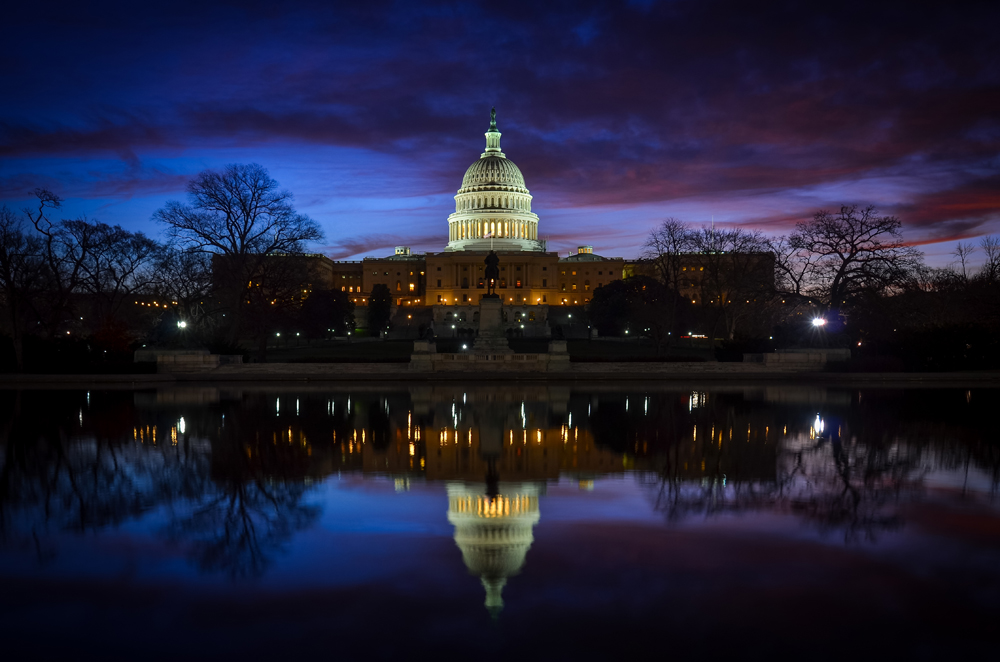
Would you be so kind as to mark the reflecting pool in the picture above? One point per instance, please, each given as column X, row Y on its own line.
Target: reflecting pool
column 546, row 521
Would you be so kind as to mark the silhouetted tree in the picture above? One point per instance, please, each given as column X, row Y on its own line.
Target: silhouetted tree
column 241, row 215
column 856, row 252
column 379, row 308
column 326, row 311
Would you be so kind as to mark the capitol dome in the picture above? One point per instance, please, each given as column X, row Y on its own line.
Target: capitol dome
column 493, row 172
column 493, row 206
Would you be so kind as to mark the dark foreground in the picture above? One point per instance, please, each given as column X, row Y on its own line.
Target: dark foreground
column 526, row 521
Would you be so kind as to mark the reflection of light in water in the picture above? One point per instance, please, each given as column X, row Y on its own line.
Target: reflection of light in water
column 494, row 534
column 817, row 428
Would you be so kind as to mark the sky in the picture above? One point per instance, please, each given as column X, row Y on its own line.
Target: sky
column 619, row 114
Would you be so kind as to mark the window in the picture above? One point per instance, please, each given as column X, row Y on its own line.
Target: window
column 413, row 287
column 531, row 316
column 586, row 285
column 439, row 298
column 545, row 268
column 574, row 286
column 465, row 268
column 399, row 286
column 545, row 282
column 411, row 273
column 439, row 268
column 465, row 298
column 574, row 273
column 564, row 272
column 518, row 269
column 439, row 282
column 564, row 287
column 600, row 273
column 517, row 283
column 343, row 288
column 545, row 299
column 387, row 273
column 481, row 284
column 465, row 282
column 503, row 283
column 400, row 274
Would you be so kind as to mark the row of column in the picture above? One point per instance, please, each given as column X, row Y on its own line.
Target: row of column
column 478, row 229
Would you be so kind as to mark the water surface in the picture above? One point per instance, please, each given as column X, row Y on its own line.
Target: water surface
column 542, row 521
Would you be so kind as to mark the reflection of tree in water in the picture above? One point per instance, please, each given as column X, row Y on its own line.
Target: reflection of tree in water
column 254, row 504
column 237, row 503
column 853, row 488
column 737, row 454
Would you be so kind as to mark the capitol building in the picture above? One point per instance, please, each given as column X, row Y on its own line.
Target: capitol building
column 493, row 211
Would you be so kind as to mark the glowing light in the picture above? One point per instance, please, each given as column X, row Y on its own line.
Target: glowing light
column 182, row 324
column 818, row 321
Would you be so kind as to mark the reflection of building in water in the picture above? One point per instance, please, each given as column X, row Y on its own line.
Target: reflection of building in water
column 494, row 534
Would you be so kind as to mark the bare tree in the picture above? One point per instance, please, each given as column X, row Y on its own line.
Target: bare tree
column 185, row 276
column 856, row 251
column 665, row 249
column 963, row 252
column 115, row 264
column 736, row 273
column 22, row 277
column 792, row 267
column 63, row 255
column 241, row 215
column 991, row 267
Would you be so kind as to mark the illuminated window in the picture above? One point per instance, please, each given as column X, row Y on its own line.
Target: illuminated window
column 517, row 283
column 399, row 286
column 439, row 298
column 413, row 286
column 586, row 285
column 574, row 286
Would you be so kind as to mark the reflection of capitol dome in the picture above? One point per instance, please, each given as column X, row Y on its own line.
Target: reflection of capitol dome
column 493, row 534
column 493, row 205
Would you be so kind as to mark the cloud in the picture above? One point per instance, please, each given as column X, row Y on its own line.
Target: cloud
column 601, row 106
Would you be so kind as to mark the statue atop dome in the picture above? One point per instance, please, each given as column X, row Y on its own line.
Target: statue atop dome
column 493, row 137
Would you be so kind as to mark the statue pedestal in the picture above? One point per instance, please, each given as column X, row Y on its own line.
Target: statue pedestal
column 491, row 339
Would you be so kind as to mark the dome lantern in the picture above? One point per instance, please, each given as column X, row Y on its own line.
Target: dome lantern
column 493, row 136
